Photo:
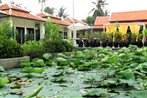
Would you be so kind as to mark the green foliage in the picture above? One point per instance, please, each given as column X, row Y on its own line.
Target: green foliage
column 26, row 64
column 61, row 61
column 47, row 56
column 62, row 12
column 10, row 48
column 51, row 31
column 3, row 81
column 6, row 31
column 96, row 92
column 39, row 62
column 90, row 20
column 57, row 46
column 33, row 70
column 2, row 69
column 49, row 10
column 33, row 49
column 34, row 93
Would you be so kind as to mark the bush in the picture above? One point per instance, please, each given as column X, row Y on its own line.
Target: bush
column 10, row 48
column 34, row 49
column 57, row 46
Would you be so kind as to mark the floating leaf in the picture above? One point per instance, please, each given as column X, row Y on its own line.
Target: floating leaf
column 2, row 69
column 3, row 81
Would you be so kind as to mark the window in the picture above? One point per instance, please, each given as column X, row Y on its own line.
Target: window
column 30, row 34
column 65, row 35
column 20, row 36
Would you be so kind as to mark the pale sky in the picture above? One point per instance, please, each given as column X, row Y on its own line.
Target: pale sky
column 83, row 7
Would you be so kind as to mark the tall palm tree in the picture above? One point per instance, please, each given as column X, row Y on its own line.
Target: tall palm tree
column 62, row 13
column 42, row 4
column 49, row 10
column 98, row 10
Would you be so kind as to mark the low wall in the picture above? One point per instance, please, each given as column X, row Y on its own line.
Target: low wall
column 13, row 62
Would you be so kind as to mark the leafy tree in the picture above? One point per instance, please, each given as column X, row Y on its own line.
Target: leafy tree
column 42, row 4
column 51, row 31
column 49, row 10
column 62, row 13
column 89, row 20
column 98, row 10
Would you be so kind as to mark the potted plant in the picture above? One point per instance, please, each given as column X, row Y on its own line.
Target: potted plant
column 104, row 39
column 139, row 42
column 80, row 40
column 117, row 38
column 97, row 39
column 85, row 40
column 133, row 37
column 110, row 39
column 144, row 37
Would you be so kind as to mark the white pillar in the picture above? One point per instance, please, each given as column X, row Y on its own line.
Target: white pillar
column 69, row 34
column 42, row 30
column 74, row 37
column 25, row 33
column 34, row 34
column 11, row 21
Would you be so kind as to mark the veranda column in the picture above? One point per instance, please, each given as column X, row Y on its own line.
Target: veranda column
column 74, row 37
column 34, row 34
column 69, row 34
column 42, row 30
column 25, row 34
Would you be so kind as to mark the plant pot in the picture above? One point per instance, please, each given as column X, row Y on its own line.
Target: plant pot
column 92, row 44
column 115, row 44
column 80, row 43
column 104, row 43
column 145, row 43
column 120, row 43
column 97, row 42
column 133, row 43
column 86, row 42
column 139, row 43
column 126, row 43
column 110, row 43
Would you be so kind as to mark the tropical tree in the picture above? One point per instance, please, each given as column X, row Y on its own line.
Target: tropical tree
column 49, row 10
column 42, row 4
column 89, row 20
column 98, row 10
column 62, row 12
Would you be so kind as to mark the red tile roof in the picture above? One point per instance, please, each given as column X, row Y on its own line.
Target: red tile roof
column 71, row 20
column 55, row 19
column 129, row 16
column 98, row 27
column 100, row 21
column 13, row 7
column 12, row 10
column 2, row 12
column 46, row 15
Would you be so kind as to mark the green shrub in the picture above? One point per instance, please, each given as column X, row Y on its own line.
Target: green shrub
column 34, row 49
column 10, row 48
column 57, row 46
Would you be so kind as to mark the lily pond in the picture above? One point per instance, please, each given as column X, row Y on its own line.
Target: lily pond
column 91, row 73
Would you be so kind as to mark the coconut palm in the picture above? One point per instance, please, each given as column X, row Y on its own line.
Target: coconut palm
column 49, row 10
column 98, row 10
column 62, row 13
column 42, row 3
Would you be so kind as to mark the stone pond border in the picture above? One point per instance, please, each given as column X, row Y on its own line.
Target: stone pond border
column 9, row 63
